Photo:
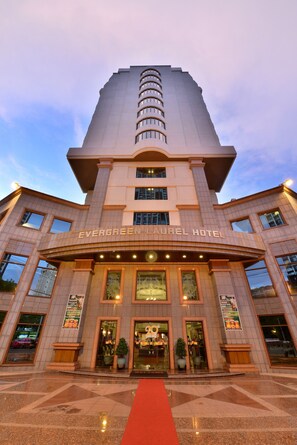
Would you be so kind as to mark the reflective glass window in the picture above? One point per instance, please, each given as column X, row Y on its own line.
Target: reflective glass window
column 32, row 220
column 43, row 280
column 243, row 225
column 288, row 266
column 11, row 268
column 259, row 280
column 59, row 226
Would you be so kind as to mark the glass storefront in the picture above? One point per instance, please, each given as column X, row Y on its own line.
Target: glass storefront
column 196, row 345
column 106, row 344
column 151, row 352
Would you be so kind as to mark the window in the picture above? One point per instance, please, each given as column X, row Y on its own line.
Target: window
column 44, row 279
column 288, row 266
column 259, row 280
column 271, row 219
column 151, row 218
column 59, row 226
column 150, row 100
column 151, row 134
column 25, row 340
column 151, row 286
column 150, row 110
column 113, row 285
column 2, row 317
column 150, row 77
column 150, row 85
column 151, row 172
column 243, row 225
column 151, row 193
column 32, row 220
column 150, row 121
column 150, row 91
column 150, row 71
column 11, row 268
column 189, row 285
column 278, row 340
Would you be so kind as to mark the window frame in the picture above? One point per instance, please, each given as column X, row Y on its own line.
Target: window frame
column 150, row 121
column 280, row 266
column 270, row 212
column 151, row 134
column 104, row 283
column 246, row 264
column 151, row 269
column 183, row 302
column 151, row 213
column 34, row 212
column 149, row 101
column 33, row 277
column 3, row 260
column 247, row 218
column 148, row 192
column 55, row 218
column 149, row 176
column 142, row 111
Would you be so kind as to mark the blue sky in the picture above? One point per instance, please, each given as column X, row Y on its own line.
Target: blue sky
column 56, row 55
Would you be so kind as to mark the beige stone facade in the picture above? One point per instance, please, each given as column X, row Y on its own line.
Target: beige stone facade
column 151, row 256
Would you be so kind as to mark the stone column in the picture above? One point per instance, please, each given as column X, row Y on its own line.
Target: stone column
column 99, row 193
column 69, row 344
column 236, row 351
column 207, row 211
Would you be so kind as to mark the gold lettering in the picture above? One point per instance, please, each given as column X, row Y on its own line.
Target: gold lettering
column 195, row 232
column 95, row 232
column 216, row 234
column 101, row 232
column 202, row 232
column 123, row 231
column 209, row 232
column 178, row 231
column 108, row 232
column 88, row 233
column 81, row 234
column 170, row 231
column 115, row 231
column 184, row 232
column 130, row 231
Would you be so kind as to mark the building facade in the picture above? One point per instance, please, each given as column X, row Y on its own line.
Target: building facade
column 151, row 256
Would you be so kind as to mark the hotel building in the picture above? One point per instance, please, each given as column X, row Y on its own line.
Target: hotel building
column 151, row 256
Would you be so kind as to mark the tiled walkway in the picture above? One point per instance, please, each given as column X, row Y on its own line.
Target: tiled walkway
column 58, row 409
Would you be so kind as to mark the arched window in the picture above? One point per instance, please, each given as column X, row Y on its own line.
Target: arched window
column 151, row 134
column 150, row 110
column 150, row 91
column 150, row 71
column 150, row 77
column 150, row 101
column 150, row 85
column 150, row 121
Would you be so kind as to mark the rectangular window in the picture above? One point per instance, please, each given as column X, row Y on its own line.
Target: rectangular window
column 243, row 225
column 278, row 340
column 44, row 279
column 189, row 285
column 259, row 280
column 151, row 218
column 23, row 346
column 157, row 193
column 2, row 215
column 151, row 286
column 11, row 268
column 151, row 172
column 32, row 220
column 288, row 266
column 271, row 219
column 113, row 285
column 59, row 226
column 2, row 317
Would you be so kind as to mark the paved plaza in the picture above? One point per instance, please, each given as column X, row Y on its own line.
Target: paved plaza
column 58, row 408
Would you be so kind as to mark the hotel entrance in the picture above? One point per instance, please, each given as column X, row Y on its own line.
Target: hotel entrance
column 151, row 352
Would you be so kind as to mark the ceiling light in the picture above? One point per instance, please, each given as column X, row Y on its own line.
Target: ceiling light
column 167, row 256
column 118, row 256
column 134, row 256
column 200, row 256
column 184, row 256
column 101, row 256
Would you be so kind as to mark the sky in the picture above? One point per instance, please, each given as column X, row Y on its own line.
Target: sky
column 56, row 55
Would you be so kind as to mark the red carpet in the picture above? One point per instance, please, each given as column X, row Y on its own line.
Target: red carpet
column 150, row 421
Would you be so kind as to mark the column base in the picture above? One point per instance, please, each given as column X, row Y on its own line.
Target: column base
column 238, row 358
column 66, row 357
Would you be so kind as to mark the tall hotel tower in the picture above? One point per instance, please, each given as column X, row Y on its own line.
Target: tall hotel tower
column 151, row 256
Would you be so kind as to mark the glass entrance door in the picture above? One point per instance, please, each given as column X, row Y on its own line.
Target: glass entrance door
column 151, row 351
column 196, row 345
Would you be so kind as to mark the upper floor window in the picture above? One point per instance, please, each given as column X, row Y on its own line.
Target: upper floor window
column 151, row 134
column 60, row 225
column 151, row 286
column 151, row 193
column 271, row 219
column 44, row 279
column 150, row 85
column 150, row 100
column 151, row 172
column 150, row 91
column 2, row 317
column 150, row 121
column 150, row 71
column 259, row 280
column 242, row 225
column 150, row 110
column 151, row 218
column 288, row 266
column 11, row 268
column 150, row 77
column 113, row 285
column 2, row 215
column 32, row 220
column 189, row 285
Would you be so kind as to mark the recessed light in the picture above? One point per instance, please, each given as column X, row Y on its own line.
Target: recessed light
column 134, row 256
column 118, row 256
column 101, row 256
column 167, row 256
column 200, row 256
column 184, row 256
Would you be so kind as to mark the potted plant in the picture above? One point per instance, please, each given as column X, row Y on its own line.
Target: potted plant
column 121, row 351
column 181, row 352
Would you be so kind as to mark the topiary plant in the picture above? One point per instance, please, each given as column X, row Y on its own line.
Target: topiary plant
column 122, row 348
column 180, row 348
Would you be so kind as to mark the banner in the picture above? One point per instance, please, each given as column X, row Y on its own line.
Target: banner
column 230, row 312
column 73, row 311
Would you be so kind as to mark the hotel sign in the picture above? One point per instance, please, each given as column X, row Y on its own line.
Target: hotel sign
column 149, row 230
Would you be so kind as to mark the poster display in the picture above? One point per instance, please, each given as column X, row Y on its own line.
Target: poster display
column 230, row 312
column 73, row 311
